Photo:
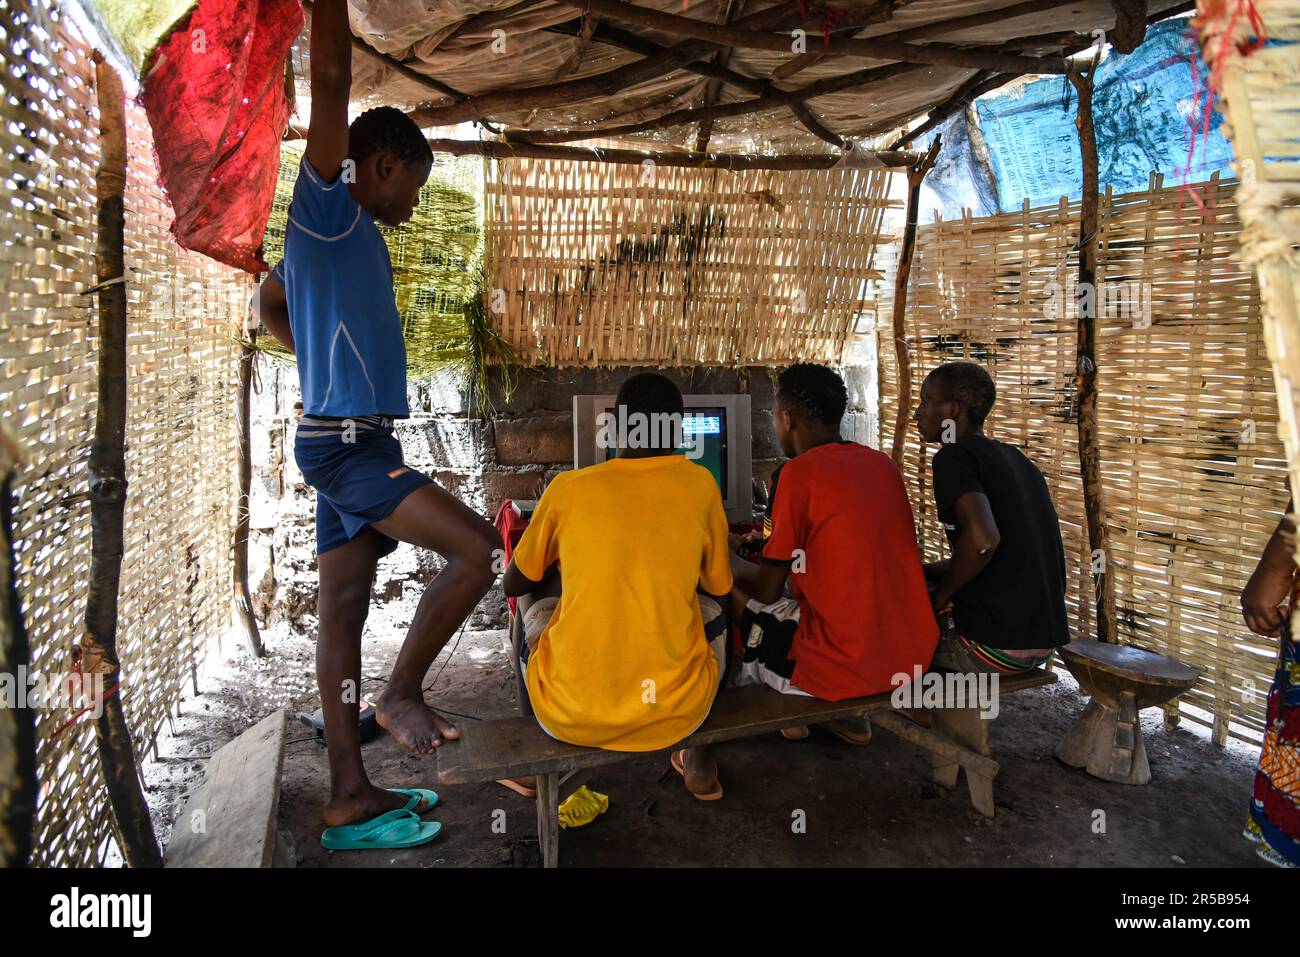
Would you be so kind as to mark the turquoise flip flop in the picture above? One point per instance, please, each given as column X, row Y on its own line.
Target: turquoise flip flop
column 390, row 831
column 417, row 795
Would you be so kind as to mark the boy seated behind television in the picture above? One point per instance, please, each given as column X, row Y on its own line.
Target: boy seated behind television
column 621, row 660
column 1001, row 596
column 842, row 535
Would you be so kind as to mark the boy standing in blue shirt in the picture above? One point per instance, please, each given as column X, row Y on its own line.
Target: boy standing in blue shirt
column 331, row 301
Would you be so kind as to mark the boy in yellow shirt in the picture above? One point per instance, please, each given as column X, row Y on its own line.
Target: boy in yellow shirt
column 629, row 656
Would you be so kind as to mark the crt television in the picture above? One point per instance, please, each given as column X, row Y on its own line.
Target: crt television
column 716, row 433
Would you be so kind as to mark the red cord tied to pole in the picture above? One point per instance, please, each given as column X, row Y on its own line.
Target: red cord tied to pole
column 831, row 18
column 1205, row 87
column 91, row 679
column 1222, row 45
column 214, row 93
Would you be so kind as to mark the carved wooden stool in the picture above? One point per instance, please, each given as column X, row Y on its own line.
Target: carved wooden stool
column 1107, row 738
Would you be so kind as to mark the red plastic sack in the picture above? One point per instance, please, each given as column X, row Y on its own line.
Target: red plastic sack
column 215, row 97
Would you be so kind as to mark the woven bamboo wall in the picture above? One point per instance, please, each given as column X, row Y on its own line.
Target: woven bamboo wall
column 183, row 314
column 630, row 265
column 1192, row 464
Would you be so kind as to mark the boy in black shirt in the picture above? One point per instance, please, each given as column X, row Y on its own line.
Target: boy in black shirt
column 1000, row 598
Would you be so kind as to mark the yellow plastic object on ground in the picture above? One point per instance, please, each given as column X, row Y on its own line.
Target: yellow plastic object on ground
column 582, row 807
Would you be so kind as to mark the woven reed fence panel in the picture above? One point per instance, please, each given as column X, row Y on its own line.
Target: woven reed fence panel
column 1192, row 465
column 180, row 445
column 630, row 265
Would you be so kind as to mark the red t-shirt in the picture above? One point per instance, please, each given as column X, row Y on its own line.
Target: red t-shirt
column 841, row 519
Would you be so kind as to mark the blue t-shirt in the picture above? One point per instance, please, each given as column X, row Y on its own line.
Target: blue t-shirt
column 338, row 282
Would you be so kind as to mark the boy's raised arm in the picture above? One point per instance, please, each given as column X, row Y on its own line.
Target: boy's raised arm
column 331, row 82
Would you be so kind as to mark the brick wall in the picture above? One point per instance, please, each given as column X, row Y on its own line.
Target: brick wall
column 509, row 454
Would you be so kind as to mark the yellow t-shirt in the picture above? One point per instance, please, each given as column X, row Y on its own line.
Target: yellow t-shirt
column 623, row 663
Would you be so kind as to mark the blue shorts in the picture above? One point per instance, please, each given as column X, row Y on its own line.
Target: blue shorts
column 358, row 475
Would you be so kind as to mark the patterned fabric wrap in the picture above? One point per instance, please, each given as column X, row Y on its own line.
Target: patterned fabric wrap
column 1273, row 823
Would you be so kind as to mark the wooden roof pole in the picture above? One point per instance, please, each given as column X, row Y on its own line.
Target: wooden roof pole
column 814, row 125
column 574, row 59
column 773, row 100
column 881, row 48
column 625, row 40
column 714, row 68
column 721, row 58
column 800, row 63
column 953, row 24
column 1086, row 367
column 914, row 177
column 106, row 474
column 771, row 97
column 977, row 85
column 601, row 84
column 497, row 149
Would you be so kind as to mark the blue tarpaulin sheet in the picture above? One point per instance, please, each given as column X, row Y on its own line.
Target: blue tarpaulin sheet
column 1148, row 108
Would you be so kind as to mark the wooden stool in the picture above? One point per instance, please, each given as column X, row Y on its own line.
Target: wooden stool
column 1107, row 738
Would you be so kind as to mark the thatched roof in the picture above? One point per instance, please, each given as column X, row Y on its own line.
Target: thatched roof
column 564, row 70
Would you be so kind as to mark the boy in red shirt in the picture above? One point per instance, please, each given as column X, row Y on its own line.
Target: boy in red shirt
column 843, row 538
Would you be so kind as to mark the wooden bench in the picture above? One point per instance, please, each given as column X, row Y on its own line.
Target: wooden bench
column 518, row 747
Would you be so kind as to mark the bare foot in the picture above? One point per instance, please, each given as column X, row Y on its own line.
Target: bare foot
column 413, row 724
column 361, row 805
column 701, row 775
column 796, row 733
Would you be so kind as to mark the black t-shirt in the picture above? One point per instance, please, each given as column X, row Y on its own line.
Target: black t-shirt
column 1018, row 600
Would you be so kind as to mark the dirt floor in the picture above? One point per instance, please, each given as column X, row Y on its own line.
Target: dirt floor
column 871, row 806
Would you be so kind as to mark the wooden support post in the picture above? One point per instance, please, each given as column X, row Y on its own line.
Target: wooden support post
column 107, row 480
column 1173, row 716
column 1086, row 367
column 904, row 362
column 1219, row 731
column 17, row 724
column 243, row 434
column 958, row 738
column 548, row 818
column 964, row 727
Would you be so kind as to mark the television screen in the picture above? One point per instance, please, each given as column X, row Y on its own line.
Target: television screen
column 704, row 432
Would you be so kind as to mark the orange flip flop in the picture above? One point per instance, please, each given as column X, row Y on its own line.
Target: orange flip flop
column 675, row 759
column 518, row 788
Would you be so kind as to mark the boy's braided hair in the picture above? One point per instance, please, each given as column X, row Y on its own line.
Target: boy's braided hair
column 387, row 128
column 815, row 393
column 969, row 385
